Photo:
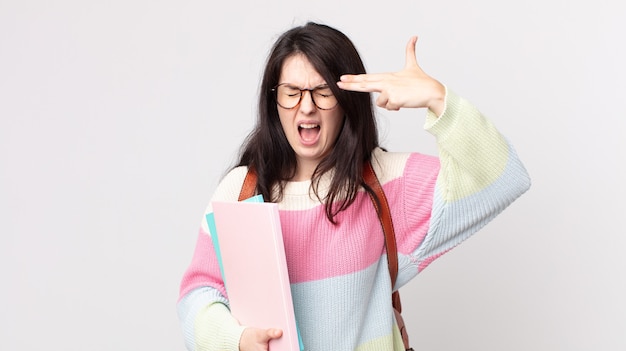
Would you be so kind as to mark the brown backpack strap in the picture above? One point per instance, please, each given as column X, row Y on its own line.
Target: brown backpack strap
column 384, row 215
column 249, row 185
column 381, row 205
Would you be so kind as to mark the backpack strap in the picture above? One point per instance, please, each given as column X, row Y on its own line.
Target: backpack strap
column 249, row 185
column 384, row 215
column 377, row 195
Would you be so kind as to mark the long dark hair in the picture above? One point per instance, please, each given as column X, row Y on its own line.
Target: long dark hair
column 266, row 148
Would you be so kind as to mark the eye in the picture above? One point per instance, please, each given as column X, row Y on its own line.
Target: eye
column 289, row 91
column 324, row 92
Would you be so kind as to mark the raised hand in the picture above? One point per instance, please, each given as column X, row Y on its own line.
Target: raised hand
column 408, row 88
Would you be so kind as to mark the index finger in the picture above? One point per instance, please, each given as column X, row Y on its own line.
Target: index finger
column 369, row 82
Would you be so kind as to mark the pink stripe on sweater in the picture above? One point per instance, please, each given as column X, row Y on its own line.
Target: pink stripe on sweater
column 412, row 209
column 317, row 249
column 204, row 269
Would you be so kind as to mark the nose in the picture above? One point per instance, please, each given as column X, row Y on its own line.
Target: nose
column 307, row 104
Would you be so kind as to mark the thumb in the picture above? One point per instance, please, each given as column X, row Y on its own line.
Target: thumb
column 273, row 333
column 410, row 56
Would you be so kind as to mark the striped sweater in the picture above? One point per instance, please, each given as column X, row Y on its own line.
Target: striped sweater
column 338, row 273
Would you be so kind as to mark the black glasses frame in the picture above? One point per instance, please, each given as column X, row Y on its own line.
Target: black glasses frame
column 275, row 90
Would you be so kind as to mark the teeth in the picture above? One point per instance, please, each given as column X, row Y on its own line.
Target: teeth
column 308, row 126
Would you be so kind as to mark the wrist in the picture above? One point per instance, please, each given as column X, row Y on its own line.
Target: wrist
column 437, row 101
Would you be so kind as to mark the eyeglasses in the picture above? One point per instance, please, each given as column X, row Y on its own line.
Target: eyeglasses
column 288, row 96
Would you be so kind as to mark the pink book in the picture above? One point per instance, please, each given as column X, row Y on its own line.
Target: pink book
column 255, row 269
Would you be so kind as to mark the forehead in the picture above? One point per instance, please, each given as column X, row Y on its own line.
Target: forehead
column 297, row 70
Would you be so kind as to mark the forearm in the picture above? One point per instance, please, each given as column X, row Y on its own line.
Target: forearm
column 201, row 308
column 206, row 323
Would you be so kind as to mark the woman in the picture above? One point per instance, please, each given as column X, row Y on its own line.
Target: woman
column 316, row 129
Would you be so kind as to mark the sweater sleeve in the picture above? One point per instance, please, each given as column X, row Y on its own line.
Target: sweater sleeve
column 480, row 175
column 203, row 311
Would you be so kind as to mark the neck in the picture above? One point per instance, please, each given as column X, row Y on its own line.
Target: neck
column 304, row 170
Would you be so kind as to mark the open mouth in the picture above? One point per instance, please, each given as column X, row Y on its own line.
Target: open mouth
column 309, row 132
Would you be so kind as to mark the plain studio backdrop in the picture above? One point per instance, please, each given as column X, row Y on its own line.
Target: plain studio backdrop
column 117, row 119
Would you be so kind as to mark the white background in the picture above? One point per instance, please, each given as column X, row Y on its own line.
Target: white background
column 117, row 119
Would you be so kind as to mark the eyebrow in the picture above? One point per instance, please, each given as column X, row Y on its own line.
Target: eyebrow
column 325, row 85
